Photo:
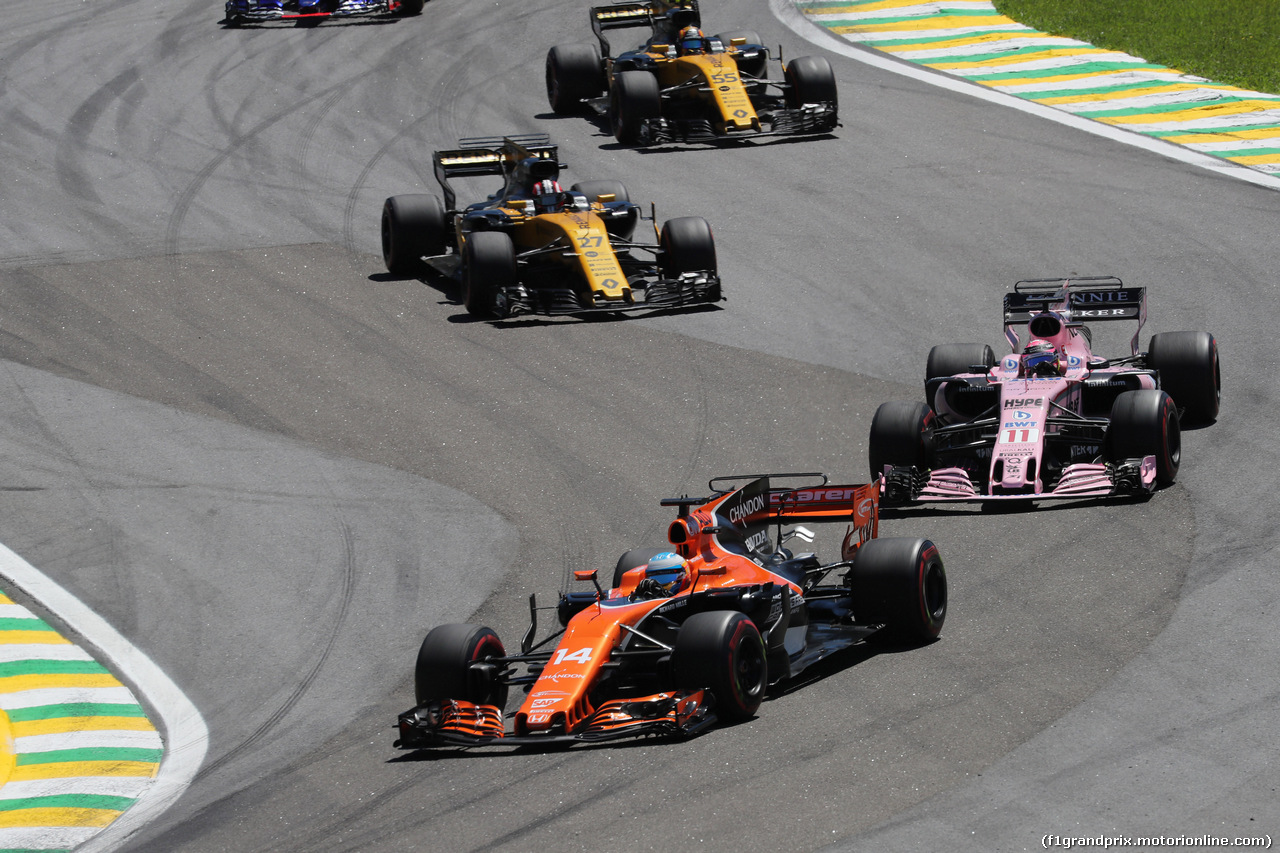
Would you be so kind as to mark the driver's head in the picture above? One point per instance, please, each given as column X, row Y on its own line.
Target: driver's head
column 1041, row 358
column 548, row 197
column 668, row 571
column 692, row 41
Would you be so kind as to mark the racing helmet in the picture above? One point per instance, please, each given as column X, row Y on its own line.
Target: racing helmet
column 668, row 571
column 548, row 197
column 691, row 40
column 1041, row 358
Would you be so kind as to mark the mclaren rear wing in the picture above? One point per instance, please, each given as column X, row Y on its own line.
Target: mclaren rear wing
column 742, row 515
column 1079, row 300
column 480, row 156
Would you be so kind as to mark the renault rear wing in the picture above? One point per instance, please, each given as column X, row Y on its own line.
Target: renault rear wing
column 673, row 15
column 479, row 156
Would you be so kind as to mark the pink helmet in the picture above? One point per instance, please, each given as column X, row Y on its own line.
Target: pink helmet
column 1041, row 358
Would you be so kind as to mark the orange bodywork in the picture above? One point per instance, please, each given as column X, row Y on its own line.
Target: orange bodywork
column 559, row 699
column 725, row 541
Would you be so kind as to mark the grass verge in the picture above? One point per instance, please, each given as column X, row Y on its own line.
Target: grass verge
column 1227, row 41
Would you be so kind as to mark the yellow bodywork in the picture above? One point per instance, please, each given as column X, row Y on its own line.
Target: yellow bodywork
column 592, row 252
column 720, row 73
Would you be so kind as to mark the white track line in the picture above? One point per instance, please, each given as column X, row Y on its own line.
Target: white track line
column 185, row 732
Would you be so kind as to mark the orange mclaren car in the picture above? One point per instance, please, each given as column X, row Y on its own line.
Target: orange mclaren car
column 690, row 634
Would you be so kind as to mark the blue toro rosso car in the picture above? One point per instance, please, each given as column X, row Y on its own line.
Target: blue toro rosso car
column 309, row 13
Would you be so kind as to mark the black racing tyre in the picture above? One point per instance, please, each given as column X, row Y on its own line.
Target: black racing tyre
column 899, row 436
column 632, row 559
column 951, row 359
column 635, row 97
column 574, row 73
column 810, row 81
column 443, row 669
column 488, row 265
column 901, row 584
column 409, row 8
column 622, row 227
column 413, row 227
column 687, row 246
column 722, row 650
column 1189, row 372
column 757, row 67
column 594, row 189
column 1145, row 423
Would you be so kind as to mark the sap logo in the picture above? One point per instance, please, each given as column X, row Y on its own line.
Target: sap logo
column 1024, row 402
column 542, row 703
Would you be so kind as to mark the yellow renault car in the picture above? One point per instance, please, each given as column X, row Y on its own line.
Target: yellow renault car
column 682, row 85
column 534, row 247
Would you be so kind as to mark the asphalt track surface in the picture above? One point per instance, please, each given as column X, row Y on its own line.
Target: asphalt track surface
column 271, row 466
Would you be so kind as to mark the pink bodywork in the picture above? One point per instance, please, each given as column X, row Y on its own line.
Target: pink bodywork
column 1025, row 405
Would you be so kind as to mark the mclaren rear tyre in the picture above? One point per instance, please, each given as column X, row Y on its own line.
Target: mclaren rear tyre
column 1189, row 372
column 899, row 436
column 488, row 267
column 722, row 650
column 413, row 227
column 687, row 246
column 444, row 668
column 901, row 584
column 1145, row 423
column 635, row 98
column 810, row 80
column 574, row 73
column 634, row 559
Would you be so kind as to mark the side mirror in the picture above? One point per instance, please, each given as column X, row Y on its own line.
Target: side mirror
column 589, row 575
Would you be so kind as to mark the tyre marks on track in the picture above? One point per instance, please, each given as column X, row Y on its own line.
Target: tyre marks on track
column 971, row 40
column 304, row 682
column 78, row 747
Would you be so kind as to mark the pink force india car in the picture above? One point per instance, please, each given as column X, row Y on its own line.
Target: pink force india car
column 1052, row 419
